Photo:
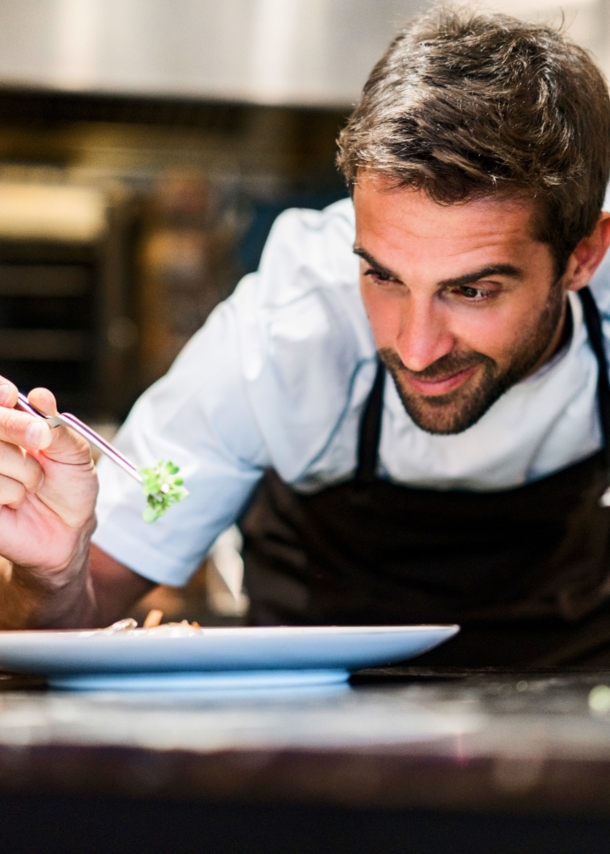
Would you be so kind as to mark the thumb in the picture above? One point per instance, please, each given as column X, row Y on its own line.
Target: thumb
column 44, row 400
column 66, row 445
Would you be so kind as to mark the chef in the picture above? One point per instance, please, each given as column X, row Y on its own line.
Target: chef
column 406, row 408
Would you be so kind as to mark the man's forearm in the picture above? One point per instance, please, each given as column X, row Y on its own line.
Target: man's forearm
column 115, row 587
column 93, row 591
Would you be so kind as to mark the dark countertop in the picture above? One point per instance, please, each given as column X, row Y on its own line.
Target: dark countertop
column 487, row 745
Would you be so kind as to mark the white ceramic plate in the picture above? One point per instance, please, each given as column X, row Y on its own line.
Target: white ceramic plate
column 75, row 658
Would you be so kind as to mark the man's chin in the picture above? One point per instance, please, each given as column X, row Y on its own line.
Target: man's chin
column 455, row 410
column 440, row 424
column 448, row 413
column 438, row 419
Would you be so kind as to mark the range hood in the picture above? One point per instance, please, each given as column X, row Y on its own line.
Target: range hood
column 301, row 52
column 289, row 52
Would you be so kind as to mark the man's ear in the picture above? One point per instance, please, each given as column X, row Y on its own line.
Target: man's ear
column 588, row 255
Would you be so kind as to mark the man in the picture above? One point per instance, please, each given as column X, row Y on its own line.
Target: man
column 467, row 488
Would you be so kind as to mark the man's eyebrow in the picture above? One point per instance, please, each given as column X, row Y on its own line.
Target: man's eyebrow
column 484, row 273
column 379, row 268
column 459, row 281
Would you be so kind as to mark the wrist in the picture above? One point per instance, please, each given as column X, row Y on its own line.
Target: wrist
column 60, row 596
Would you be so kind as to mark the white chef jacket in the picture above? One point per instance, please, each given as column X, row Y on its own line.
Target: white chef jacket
column 277, row 377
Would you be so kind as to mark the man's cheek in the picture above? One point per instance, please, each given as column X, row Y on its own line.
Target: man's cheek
column 384, row 317
column 389, row 304
column 489, row 335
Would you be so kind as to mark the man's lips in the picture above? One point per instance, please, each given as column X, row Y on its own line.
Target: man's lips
column 444, row 385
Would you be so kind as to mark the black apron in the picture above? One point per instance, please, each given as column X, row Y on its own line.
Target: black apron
column 524, row 571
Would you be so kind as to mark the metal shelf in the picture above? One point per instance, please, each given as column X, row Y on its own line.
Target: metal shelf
column 36, row 280
column 45, row 345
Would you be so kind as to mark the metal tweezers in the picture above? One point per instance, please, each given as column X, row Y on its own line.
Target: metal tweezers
column 65, row 419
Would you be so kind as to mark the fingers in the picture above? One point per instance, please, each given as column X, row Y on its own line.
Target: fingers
column 12, row 493
column 17, row 465
column 8, row 393
column 20, row 428
column 20, row 473
column 41, row 398
column 33, row 433
column 67, row 446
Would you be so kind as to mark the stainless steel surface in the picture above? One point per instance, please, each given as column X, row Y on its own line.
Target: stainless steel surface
column 65, row 419
column 263, row 51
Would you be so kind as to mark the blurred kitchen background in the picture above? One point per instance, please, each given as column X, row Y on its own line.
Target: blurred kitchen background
column 146, row 147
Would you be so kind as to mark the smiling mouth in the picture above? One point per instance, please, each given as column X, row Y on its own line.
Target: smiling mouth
column 439, row 386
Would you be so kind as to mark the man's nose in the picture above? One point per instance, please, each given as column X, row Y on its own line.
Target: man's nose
column 424, row 335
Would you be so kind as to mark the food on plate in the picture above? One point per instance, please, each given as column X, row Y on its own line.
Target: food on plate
column 162, row 488
column 152, row 623
column 153, row 619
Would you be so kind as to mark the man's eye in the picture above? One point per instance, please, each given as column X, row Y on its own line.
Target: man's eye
column 378, row 276
column 474, row 294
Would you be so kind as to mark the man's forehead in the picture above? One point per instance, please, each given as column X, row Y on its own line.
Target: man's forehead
column 382, row 209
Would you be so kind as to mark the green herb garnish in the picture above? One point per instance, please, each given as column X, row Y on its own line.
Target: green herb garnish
column 162, row 489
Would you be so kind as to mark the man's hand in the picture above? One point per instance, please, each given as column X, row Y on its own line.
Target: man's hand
column 48, row 488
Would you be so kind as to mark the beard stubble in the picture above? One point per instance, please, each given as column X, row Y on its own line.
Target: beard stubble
column 458, row 410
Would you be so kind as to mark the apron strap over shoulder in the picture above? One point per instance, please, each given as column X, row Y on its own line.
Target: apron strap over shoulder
column 370, row 429
column 593, row 323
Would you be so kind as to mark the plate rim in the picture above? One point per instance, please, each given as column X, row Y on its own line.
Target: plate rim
column 232, row 631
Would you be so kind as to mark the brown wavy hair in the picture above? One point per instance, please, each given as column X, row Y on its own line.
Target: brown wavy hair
column 466, row 105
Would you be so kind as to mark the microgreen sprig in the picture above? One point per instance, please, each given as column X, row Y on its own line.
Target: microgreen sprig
column 162, row 488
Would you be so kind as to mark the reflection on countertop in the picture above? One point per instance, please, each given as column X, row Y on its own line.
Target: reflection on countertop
column 403, row 759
